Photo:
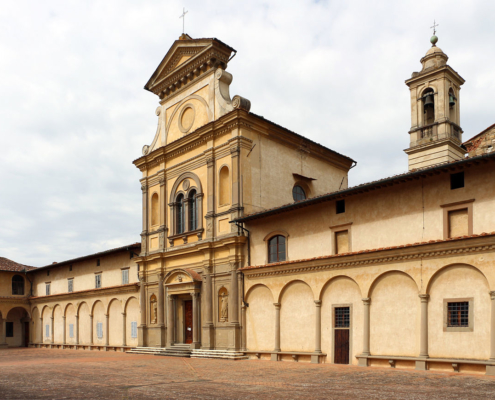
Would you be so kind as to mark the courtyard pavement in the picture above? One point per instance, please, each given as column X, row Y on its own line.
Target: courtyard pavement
column 70, row 374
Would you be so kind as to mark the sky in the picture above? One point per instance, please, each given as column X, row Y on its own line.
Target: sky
column 74, row 115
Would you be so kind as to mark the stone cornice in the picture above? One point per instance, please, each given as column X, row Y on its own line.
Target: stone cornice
column 129, row 288
column 379, row 256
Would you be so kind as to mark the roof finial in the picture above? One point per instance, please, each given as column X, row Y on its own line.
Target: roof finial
column 183, row 16
column 434, row 38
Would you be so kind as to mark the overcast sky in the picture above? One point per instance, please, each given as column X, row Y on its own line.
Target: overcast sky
column 73, row 112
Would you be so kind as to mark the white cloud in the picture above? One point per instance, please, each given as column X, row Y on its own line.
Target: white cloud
column 74, row 115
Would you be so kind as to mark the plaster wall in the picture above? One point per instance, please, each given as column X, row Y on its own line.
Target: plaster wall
column 6, row 284
column 260, row 319
column 84, row 324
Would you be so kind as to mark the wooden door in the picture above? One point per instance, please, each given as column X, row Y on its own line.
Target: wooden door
column 26, row 334
column 341, row 351
column 188, row 321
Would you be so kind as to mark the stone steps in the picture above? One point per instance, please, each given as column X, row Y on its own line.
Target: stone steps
column 176, row 350
column 145, row 350
column 219, row 354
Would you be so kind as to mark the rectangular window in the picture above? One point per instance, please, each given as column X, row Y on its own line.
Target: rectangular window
column 340, row 206
column 98, row 262
column 458, row 314
column 342, row 319
column 70, row 267
column 70, row 284
column 341, row 242
column 133, row 329
column 47, row 330
column 99, row 330
column 458, row 223
column 47, row 287
column 9, row 329
column 457, row 180
column 71, row 330
column 125, row 276
column 98, row 281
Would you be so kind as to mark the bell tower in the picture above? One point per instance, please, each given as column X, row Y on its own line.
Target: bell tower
column 435, row 134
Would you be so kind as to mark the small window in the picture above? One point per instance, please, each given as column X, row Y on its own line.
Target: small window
column 98, row 281
column 71, row 330
column 70, row 267
column 340, row 206
column 17, row 285
column 47, row 330
column 70, row 284
column 125, row 276
column 98, row 262
column 47, row 272
column 457, row 180
column 342, row 319
column 458, row 223
column 298, row 193
column 458, row 314
column 134, row 329
column 99, row 330
column 47, row 288
column 276, row 249
column 342, row 242
column 9, row 329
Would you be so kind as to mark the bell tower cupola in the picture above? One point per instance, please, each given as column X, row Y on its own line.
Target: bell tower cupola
column 435, row 134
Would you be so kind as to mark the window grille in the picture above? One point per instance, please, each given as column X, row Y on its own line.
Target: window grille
column 276, row 249
column 133, row 329
column 47, row 330
column 342, row 317
column 71, row 330
column 298, row 193
column 98, row 281
column 125, row 276
column 47, row 287
column 99, row 330
column 458, row 314
column 70, row 283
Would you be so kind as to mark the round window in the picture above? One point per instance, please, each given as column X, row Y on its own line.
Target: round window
column 298, row 193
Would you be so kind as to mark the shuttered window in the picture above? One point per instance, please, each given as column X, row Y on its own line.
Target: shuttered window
column 133, row 329
column 125, row 276
column 70, row 284
column 71, row 330
column 341, row 242
column 98, row 281
column 47, row 330
column 47, row 287
column 99, row 330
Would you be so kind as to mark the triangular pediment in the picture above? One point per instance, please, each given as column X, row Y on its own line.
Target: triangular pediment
column 183, row 53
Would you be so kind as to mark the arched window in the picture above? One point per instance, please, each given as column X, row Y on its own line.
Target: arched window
column 193, row 211
column 224, row 187
column 179, row 214
column 276, row 249
column 17, row 285
column 155, row 210
column 428, row 107
column 298, row 193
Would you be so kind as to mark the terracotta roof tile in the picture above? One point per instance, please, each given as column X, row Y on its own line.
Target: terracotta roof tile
column 9, row 265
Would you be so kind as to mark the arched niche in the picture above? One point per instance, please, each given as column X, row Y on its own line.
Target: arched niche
column 223, row 305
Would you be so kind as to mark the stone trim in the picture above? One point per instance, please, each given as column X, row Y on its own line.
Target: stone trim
column 470, row 327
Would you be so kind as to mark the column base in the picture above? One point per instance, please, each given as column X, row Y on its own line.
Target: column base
column 315, row 357
column 490, row 370
column 421, row 365
column 274, row 357
column 362, row 360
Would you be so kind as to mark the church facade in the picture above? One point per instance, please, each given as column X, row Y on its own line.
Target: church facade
column 254, row 246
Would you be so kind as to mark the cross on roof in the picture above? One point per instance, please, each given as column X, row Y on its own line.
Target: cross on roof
column 183, row 16
column 434, row 27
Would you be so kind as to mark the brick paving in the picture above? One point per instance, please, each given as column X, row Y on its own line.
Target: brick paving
column 70, row 374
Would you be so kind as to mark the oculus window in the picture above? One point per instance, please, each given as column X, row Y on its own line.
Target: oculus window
column 298, row 193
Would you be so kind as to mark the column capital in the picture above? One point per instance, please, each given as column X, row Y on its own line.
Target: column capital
column 366, row 301
column 492, row 294
column 424, row 297
column 277, row 305
column 318, row 303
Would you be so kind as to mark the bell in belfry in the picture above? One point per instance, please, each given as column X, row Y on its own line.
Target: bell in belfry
column 451, row 100
column 429, row 101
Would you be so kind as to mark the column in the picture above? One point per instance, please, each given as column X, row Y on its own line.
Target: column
column 142, row 306
column 492, row 327
column 91, row 330
column 315, row 359
column 144, row 233
column 52, row 333
column 3, row 332
column 195, row 301
column 160, row 317
column 243, row 320
column 423, row 347
column 64, row 335
column 210, row 200
column 107, row 335
column 208, row 298
column 124, row 317
column 363, row 361
column 277, row 331
column 234, row 153
column 170, row 320
column 234, row 296
column 77, row 329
